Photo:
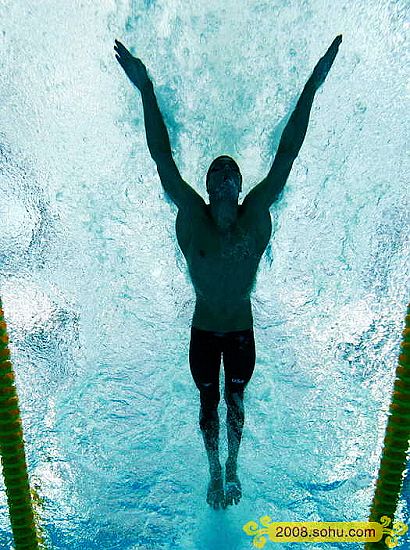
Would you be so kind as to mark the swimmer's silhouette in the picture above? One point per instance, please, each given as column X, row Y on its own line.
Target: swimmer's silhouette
column 223, row 242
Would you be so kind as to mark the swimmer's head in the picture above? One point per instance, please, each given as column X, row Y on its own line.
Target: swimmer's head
column 224, row 179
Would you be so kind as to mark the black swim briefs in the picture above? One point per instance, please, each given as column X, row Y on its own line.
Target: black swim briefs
column 238, row 351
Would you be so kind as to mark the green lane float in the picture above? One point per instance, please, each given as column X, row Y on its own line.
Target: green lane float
column 23, row 516
column 393, row 459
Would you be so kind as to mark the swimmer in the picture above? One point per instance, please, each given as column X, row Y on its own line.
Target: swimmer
column 223, row 242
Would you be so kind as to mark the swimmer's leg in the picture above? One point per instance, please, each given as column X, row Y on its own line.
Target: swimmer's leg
column 209, row 424
column 239, row 363
column 205, row 360
column 235, row 418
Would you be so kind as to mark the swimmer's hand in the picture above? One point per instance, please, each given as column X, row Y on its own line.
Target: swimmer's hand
column 323, row 66
column 133, row 67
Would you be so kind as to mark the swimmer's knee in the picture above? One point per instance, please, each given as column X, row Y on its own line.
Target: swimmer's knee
column 209, row 397
column 234, row 390
column 209, row 392
column 208, row 416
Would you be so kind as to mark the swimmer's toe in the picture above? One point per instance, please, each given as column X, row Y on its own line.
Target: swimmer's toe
column 215, row 496
column 233, row 492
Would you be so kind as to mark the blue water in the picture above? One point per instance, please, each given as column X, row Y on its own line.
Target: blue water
column 97, row 295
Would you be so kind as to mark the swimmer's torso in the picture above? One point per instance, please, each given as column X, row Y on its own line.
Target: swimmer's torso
column 223, row 266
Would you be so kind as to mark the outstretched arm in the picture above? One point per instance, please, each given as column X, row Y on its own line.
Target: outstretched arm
column 295, row 130
column 157, row 135
column 264, row 194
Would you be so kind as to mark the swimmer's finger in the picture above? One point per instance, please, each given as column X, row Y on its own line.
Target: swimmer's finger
column 121, row 62
column 120, row 46
column 334, row 47
column 122, row 50
column 126, row 54
column 337, row 41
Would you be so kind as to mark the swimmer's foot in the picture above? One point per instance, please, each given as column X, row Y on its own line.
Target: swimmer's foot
column 215, row 496
column 233, row 489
